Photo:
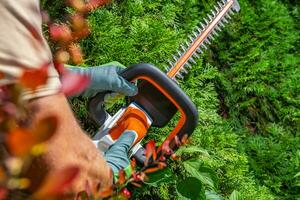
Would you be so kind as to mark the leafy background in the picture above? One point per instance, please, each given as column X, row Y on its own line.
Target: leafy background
column 246, row 88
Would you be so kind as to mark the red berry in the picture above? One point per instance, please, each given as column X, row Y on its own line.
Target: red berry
column 125, row 192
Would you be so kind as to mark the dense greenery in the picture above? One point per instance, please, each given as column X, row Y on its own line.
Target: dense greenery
column 246, row 89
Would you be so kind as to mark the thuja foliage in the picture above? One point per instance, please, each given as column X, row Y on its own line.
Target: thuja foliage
column 246, row 89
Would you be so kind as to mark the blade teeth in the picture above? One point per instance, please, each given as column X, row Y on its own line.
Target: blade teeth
column 183, row 48
column 213, row 13
column 199, row 50
column 199, row 30
column 217, row 27
column 220, row 5
column 224, row 2
column 191, row 39
column 196, row 55
column 203, row 45
column 207, row 22
column 210, row 18
column 171, row 63
column 175, row 58
column 167, row 68
column 203, row 26
column 228, row 16
column 179, row 53
column 215, row 32
column 192, row 60
column 187, row 43
column 230, row 11
column 211, row 37
column 224, row 20
column 207, row 41
column 179, row 75
column 221, row 23
column 174, row 79
column 188, row 65
column 195, row 34
column 184, row 70
column 217, row 9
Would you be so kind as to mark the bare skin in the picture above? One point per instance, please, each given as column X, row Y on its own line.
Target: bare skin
column 69, row 146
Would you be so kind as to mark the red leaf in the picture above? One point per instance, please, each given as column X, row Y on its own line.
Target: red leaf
column 166, row 147
column 78, row 22
column 62, row 56
column 125, row 193
column 152, row 169
column 33, row 78
column 81, row 33
column 162, row 158
column 61, row 33
column 184, row 139
column 106, row 192
column 162, row 165
column 139, row 176
column 21, row 141
column 60, row 67
column 121, row 180
column 2, row 75
column 177, row 141
column 73, row 83
column 150, row 150
column 78, row 5
column 58, row 182
column 136, row 184
column 94, row 4
column 3, row 193
column 175, row 157
column 133, row 163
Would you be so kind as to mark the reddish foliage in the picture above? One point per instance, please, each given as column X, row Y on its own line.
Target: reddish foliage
column 166, row 147
column 33, row 78
column 125, row 193
column 122, row 178
column 20, row 141
column 2, row 75
column 78, row 22
column 60, row 33
column 106, row 192
column 78, row 5
column 62, row 56
column 150, row 150
column 58, row 182
column 184, row 139
column 136, row 184
column 175, row 157
column 152, row 169
column 133, row 163
column 3, row 193
column 76, row 54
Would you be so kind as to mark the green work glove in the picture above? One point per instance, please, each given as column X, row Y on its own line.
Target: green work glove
column 105, row 78
column 117, row 154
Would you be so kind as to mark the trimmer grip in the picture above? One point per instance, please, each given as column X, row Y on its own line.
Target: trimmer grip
column 96, row 109
column 161, row 98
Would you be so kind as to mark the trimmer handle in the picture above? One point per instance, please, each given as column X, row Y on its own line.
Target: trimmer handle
column 159, row 96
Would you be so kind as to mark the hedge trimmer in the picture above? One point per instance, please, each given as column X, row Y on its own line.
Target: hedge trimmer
column 159, row 96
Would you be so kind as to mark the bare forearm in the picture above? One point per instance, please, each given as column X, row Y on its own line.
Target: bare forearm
column 70, row 145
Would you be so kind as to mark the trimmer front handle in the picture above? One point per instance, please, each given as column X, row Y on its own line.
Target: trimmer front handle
column 159, row 97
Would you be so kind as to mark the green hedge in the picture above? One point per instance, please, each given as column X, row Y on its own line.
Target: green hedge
column 246, row 89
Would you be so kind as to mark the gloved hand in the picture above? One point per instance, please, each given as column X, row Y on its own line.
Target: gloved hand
column 117, row 154
column 105, row 78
